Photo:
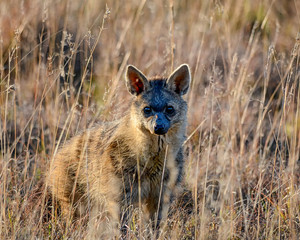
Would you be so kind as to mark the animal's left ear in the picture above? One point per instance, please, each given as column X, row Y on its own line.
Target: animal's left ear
column 179, row 80
column 136, row 81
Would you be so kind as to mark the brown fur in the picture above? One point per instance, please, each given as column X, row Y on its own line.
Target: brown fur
column 97, row 171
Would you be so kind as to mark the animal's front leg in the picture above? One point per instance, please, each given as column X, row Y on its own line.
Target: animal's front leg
column 153, row 208
column 113, row 215
column 104, row 220
column 158, row 202
column 170, row 181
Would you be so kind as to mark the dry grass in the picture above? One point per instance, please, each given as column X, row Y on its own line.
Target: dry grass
column 243, row 161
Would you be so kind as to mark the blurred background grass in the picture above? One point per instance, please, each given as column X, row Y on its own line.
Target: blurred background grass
column 61, row 69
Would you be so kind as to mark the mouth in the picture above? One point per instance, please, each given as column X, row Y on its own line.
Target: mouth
column 160, row 132
column 157, row 129
column 157, row 132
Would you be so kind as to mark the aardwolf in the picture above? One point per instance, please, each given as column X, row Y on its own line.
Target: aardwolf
column 135, row 161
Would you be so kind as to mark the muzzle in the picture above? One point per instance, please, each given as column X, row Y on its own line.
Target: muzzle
column 160, row 124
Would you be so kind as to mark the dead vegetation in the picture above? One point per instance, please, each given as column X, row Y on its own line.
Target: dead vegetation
column 61, row 69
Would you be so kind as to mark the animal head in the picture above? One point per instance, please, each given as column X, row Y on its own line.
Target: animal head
column 158, row 106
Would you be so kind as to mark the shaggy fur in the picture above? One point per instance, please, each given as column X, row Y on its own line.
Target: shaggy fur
column 108, row 169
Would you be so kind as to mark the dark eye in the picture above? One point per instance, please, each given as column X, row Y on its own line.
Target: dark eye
column 170, row 109
column 147, row 110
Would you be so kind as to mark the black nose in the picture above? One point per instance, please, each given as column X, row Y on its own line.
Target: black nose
column 160, row 129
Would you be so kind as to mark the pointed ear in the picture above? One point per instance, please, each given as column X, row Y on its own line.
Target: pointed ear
column 136, row 81
column 179, row 80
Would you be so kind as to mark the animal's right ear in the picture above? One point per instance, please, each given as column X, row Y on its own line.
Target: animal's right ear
column 179, row 80
column 136, row 81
